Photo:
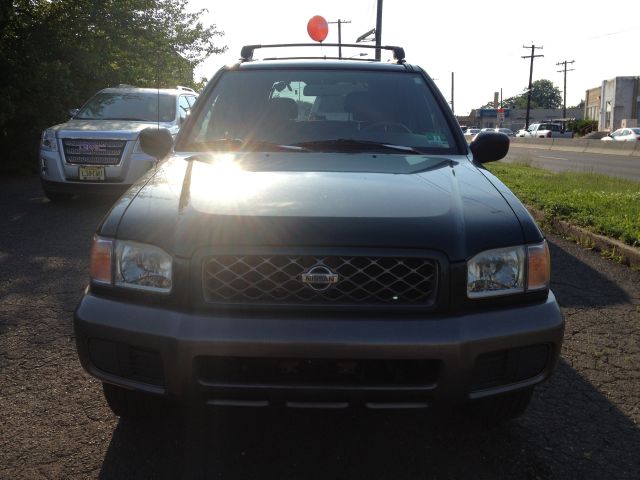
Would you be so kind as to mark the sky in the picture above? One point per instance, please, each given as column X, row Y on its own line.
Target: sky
column 481, row 42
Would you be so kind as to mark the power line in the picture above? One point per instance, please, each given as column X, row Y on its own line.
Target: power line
column 564, row 105
column 532, row 56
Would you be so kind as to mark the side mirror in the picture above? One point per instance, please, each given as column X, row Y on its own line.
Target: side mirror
column 73, row 112
column 156, row 142
column 489, row 146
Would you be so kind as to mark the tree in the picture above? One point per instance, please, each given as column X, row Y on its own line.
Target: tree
column 54, row 54
column 543, row 95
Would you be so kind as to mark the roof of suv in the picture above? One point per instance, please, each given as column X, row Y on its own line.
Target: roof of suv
column 131, row 89
column 325, row 64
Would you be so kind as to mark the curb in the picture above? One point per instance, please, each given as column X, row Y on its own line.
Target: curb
column 628, row 255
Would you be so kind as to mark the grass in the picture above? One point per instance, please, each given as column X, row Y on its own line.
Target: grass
column 605, row 205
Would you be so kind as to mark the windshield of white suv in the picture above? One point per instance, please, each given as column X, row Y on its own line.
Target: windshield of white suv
column 309, row 110
column 134, row 106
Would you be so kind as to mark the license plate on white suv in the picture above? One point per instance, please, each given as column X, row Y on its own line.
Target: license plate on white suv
column 91, row 173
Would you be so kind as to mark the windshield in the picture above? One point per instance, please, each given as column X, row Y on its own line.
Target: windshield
column 136, row 106
column 320, row 111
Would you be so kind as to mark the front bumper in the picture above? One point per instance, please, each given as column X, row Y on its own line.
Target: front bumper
column 185, row 355
column 60, row 177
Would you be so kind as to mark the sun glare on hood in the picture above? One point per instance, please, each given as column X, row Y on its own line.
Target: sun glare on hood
column 223, row 180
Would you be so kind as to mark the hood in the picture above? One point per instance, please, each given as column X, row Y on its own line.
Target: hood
column 452, row 208
column 106, row 128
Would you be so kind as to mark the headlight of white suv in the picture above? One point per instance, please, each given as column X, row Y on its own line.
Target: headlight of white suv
column 143, row 267
column 48, row 140
column 508, row 271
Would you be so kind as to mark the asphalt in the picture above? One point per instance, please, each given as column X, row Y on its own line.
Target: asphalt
column 582, row 423
column 626, row 167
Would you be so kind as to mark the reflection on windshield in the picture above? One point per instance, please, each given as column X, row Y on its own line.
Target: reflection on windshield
column 142, row 107
column 320, row 111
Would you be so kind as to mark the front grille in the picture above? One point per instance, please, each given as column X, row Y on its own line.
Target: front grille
column 93, row 151
column 317, row 372
column 337, row 280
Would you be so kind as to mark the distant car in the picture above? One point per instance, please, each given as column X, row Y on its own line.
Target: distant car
column 97, row 150
column 623, row 135
column 548, row 130
column 507, row 131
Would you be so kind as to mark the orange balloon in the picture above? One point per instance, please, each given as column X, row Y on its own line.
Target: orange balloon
column 318, row 28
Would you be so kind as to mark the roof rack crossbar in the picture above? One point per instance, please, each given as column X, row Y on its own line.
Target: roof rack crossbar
column 246, row 54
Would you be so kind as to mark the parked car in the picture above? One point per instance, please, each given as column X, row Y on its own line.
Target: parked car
column 97, row 150
column 548, row 130
column 623, row 135
column 274, row 259
column 470, row 133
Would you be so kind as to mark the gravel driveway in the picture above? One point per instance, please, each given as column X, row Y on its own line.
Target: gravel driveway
column 54, row 423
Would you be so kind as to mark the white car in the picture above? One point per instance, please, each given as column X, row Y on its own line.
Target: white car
column 97, row 150
column 522, row 133
column 623, row 135
column 471, row 133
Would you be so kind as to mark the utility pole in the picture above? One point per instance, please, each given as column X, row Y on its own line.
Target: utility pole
column 379, row 31
column 532, row 56
column 340, row 22
column 564, row 92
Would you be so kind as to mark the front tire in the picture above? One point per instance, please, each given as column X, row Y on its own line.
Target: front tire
column 136, row 405
column 56, row 197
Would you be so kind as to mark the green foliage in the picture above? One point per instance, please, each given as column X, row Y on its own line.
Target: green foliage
column 543, row 95
column 56, row 53
column 583, row 126
column 605, row 205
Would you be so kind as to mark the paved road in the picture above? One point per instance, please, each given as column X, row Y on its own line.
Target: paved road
column 54, row 423
column 561, row 161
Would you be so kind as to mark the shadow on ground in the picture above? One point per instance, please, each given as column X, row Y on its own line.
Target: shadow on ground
column 569, row 431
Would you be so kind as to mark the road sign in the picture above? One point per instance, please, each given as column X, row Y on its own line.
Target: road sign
column 501, row 115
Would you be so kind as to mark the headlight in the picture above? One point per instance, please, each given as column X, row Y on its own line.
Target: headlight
column 137, row 148
column 142, row 267
column 508, row 271
column 48, row 140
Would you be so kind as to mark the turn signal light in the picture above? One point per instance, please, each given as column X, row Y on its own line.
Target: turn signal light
column 100, row 262
column 539, row 267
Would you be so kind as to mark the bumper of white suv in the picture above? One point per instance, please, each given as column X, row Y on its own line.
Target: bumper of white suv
column 60, row 176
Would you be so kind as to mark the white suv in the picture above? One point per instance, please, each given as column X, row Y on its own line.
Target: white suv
column 97, row 150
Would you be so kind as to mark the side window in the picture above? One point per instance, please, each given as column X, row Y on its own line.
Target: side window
column 183, row 108
column 191, row 99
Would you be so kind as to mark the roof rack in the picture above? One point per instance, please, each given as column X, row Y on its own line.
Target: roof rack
column 188, row 89
column 246, row 54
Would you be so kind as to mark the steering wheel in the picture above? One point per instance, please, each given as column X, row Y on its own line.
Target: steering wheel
column 387, row 127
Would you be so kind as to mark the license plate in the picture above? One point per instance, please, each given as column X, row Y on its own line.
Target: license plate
column 91, row 173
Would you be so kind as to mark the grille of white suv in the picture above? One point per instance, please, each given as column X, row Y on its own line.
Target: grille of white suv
column 92, row 151
column 322, row 280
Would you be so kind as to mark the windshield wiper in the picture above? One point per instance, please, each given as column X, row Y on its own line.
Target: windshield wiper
column 241, row 144
column 354, row 145
column 132, row 119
